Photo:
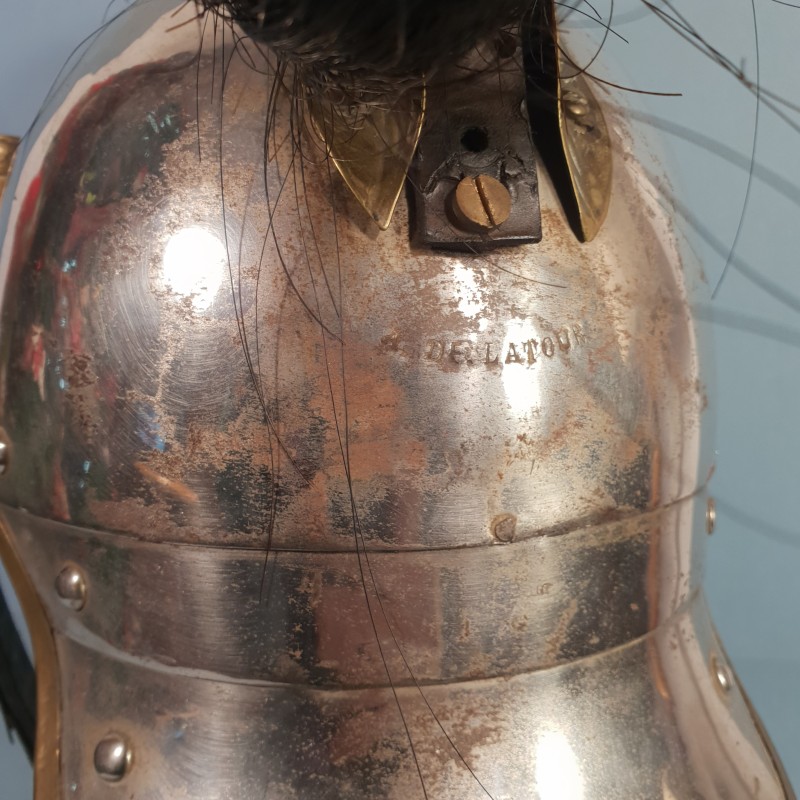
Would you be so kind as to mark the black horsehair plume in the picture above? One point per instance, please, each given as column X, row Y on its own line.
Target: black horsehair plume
column 370, row 43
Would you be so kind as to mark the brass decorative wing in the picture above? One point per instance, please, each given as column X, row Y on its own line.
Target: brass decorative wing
column 372, row 146
column 568, row 125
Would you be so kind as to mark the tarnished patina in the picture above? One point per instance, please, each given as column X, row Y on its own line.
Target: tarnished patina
column 316, row 511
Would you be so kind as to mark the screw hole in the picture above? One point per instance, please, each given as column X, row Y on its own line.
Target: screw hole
column 476, row 140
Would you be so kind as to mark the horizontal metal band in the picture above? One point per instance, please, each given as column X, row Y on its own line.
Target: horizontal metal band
column 343, row 619
column 649, row 719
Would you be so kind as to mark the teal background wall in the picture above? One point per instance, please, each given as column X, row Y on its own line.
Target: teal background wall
column 707, row 138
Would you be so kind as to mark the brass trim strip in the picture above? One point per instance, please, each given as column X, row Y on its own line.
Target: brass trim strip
column 8, row 146
column 777, row 764
column 46, row 762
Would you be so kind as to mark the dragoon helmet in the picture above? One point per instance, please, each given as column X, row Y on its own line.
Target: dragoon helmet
column 354, row 440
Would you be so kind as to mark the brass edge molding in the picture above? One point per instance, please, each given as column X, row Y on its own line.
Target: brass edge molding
column 47, row 761
column 8, row 147
column 777, row 763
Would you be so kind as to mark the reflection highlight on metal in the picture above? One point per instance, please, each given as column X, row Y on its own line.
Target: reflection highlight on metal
column 381, row 522
column 71, row 587
column 5, row 453
column 521, row 384
column 112, row 758
column 558, row 771
column 194, row 266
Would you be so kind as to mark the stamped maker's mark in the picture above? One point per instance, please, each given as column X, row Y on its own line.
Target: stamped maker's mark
column 486, row 353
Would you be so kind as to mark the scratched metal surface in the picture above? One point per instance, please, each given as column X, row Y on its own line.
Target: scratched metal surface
column 754, row 554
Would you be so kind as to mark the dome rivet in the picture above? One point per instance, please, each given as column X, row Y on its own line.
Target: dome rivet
column 721, row 674
column 711, row 516
column 112, row 758
column 71, row 587
column 504, row 528
column 5, row 452
column 576, row 105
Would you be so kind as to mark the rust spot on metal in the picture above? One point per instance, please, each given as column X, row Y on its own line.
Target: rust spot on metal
column 176, row 489
column 504, row 527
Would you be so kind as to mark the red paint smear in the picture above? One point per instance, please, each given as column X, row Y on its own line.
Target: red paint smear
column 55, row 157
column 59, row 151
column 63, row 138
column 26, row 221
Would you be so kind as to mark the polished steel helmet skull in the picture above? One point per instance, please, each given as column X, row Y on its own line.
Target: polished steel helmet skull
column 303, row 508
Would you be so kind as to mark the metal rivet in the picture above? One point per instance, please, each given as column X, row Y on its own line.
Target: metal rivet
column 112, row 758
column 504, row 527
column 722, row 674
column 711, row 516
column 71, row 587
column 481, row 202
column 576, row 105
column 5, row 456
column 5, row 452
